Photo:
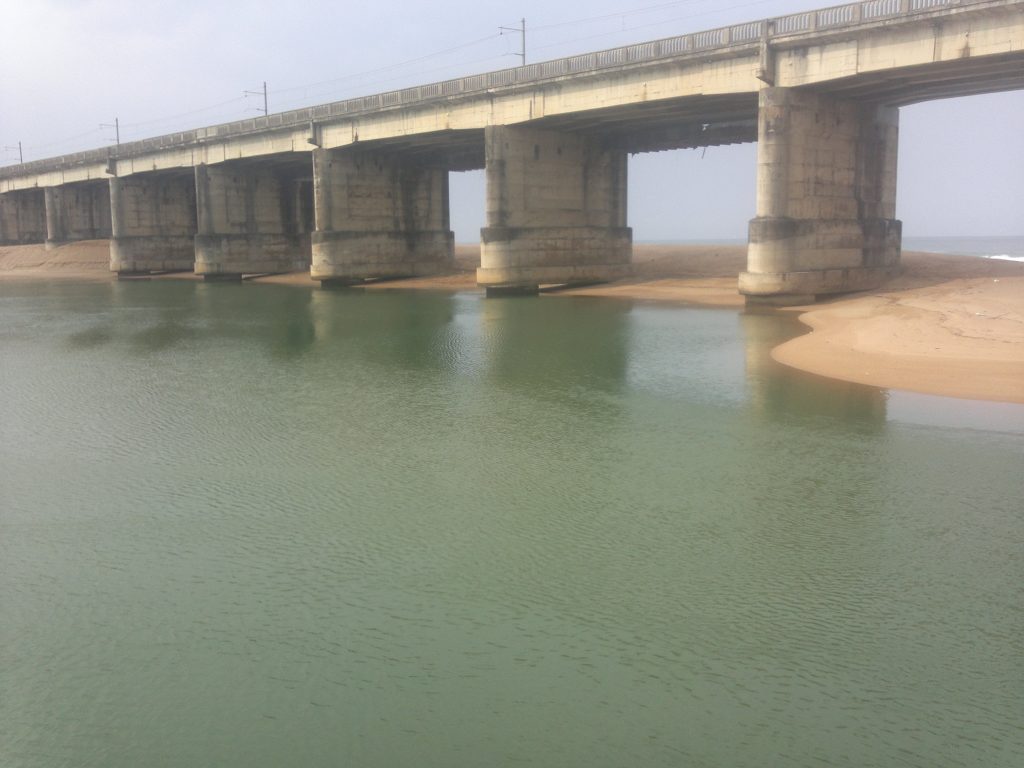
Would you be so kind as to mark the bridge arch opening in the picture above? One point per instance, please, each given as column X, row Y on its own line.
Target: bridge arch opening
column 961, row 173
column 467, row 193
column 703, row 194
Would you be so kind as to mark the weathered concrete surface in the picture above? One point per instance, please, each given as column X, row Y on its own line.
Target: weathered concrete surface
column 23, row 217
column 876, row 49
column 826, row 196
column 657, row 95
column 77, row 212
column 153, row 221
column 379, row 216
column 249, row 221
column 556, row 210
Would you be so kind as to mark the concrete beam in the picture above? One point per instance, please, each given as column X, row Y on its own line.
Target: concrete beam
column 556, row 210
column 894, row 52
column 379, row 216
column 826, row 197
column 153, row 223
column 250, row 220
column 966, row 36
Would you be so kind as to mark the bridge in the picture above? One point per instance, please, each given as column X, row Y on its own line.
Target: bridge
column 358, row 189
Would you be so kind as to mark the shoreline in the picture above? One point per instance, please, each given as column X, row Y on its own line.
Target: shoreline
column 947, row 325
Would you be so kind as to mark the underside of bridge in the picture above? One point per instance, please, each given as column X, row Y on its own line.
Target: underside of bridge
column 902, row 86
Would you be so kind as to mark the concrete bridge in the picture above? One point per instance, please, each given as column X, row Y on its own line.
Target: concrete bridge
column 358, row 189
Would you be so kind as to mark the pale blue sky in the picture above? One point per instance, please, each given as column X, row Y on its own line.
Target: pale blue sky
column 163, row 65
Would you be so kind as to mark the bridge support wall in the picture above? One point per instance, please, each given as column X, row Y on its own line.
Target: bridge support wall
column 22, row 217
column 826, row 197
column 153, row 222
column 249, row 221
column 556, row 210
column 379, row 216
column 77, row 212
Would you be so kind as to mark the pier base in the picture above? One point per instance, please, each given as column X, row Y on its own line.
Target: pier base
column 379, row 216
column 556, row 211
column 253, row 218
column 153, row 220
column 826, row 197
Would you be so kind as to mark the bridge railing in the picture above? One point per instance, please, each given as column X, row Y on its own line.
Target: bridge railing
column 835, row 17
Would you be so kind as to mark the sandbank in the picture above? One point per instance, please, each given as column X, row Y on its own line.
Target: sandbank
column 948, row 325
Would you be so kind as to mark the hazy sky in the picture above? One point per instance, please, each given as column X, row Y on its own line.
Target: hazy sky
column 66, row 66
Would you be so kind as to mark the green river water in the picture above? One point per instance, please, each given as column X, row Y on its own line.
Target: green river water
column 250, row 525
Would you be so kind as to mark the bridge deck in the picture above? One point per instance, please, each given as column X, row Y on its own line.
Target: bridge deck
column 638, row 125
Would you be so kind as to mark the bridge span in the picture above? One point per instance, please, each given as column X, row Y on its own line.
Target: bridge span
column 358, row 189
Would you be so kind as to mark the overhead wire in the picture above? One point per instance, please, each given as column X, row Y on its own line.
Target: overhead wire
column 59, row 142
column 183, row 114
column 374, row 83
column 645, row 9
column 389, row 67
column 651, row 24
column 322, row 87
column 617, row 15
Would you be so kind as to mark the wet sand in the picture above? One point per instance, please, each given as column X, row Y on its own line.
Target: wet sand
column 948, row 325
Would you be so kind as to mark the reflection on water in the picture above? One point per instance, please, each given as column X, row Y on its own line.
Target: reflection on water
column 783, row 393
column 394, row 328
column 536, row 344
column 249, row 525
column 90, row 337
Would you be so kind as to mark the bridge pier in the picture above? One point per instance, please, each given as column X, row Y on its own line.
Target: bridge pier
column 153, row 222
column 826, row 197
column 556, row 211
column 378, row 216
column 77, row 212
column 22, row 217
column 249, row 221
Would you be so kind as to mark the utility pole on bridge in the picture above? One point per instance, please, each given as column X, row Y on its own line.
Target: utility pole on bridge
column 116, row 125
column 257, row 93
column 21, row 156
column 522, row 32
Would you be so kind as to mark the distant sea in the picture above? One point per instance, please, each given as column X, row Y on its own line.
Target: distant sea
column 1008, row 248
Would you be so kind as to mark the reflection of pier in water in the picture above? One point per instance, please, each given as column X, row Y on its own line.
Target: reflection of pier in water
column 534, row 344
column 825, row 495
column 285, row 323
column 781, row 392
column 401, row 330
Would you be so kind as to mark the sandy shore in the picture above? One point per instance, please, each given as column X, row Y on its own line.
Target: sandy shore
column 949, row 325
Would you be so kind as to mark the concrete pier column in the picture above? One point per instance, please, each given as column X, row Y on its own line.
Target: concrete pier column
column 77, row 212
column 556, row 210
column 826, row 197
column 247, row 221
column 22, row 217
column 154, row 223
column 379, row 216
